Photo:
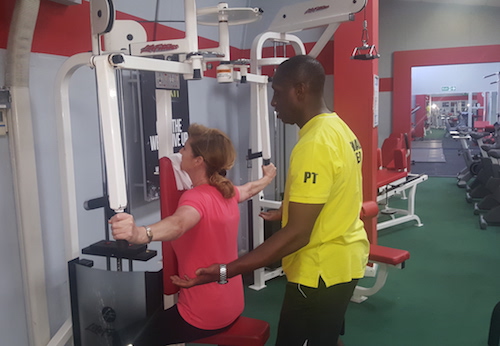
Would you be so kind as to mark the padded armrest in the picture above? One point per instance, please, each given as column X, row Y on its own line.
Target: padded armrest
column 384, row 254
column 369, row 209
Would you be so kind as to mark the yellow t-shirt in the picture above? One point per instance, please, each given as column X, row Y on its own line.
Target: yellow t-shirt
column 325, row 168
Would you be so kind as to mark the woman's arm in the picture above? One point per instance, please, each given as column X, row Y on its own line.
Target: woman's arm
column 252, row 188
column 123, row 226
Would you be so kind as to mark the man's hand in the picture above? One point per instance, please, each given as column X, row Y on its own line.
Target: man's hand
column 271, row 215
column 203, row 276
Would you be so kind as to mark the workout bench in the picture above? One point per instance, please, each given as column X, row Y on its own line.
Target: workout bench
column 245, row 331
column 393, row 179
column 382, row 257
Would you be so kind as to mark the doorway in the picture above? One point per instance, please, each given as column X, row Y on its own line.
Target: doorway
column 403, row 99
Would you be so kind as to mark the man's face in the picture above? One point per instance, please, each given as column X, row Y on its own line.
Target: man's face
column 284, row 100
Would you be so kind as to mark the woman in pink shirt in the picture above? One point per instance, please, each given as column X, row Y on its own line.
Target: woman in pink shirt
column 203, row 230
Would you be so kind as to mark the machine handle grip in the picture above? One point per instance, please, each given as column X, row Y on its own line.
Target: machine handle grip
column 121, row 243
column 94, row 203
column 266, row 162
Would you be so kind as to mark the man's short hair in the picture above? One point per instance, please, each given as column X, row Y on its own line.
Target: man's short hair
column 302, row 69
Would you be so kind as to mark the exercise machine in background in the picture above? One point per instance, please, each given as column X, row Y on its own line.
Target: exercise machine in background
column 394, row 180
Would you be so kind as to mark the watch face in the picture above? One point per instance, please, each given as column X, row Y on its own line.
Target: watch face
column 149, row 233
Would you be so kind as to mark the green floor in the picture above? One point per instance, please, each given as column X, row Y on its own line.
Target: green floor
column 435, row 134
column 444, row 296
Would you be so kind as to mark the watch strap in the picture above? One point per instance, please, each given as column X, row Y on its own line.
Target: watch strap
column 149, row 233
column 222, row 274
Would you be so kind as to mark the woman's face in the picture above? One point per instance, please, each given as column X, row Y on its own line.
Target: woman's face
column 188, row 159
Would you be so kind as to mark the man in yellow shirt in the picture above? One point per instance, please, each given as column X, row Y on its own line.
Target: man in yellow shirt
column 322, row 242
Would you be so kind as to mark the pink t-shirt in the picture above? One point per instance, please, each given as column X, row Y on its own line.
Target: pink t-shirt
column 213, row 240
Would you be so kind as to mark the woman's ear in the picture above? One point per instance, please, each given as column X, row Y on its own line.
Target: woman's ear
column 199, row 160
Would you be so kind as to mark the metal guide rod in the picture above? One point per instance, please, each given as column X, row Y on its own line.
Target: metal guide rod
column 264, row 123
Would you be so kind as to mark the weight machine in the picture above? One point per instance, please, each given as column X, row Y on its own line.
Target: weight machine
column 122, row 45
column 494, row 111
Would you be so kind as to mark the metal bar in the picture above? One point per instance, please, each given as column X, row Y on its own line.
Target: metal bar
column 110, row 123
column 149, row 64
column 164, row 122
column 66, row 160
column 323, row 40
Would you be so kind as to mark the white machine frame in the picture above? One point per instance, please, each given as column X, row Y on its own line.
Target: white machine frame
column 497, row 82
column 381, row 271
column 110, row 51
column 400, row 187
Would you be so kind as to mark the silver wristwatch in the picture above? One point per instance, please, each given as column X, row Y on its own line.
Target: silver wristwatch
column 222, row 274
column 149, row 233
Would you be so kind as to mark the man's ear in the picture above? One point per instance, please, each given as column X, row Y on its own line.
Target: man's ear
column 300, row 90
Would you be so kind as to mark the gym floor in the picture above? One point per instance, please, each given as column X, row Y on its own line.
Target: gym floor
column 454, row 162
column 444, row 296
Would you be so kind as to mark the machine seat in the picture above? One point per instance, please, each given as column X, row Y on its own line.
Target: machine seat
column 495, row 153
column 245, row 331
column 386, row 176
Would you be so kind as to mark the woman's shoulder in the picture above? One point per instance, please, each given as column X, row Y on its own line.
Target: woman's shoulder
column 207, row 191
column 202, row 190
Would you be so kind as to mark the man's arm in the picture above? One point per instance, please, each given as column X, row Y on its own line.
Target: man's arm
column 252, row 188
column 170, row 228
column 292, row 237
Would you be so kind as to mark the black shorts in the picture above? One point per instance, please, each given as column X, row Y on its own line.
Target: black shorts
column 313, row 314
